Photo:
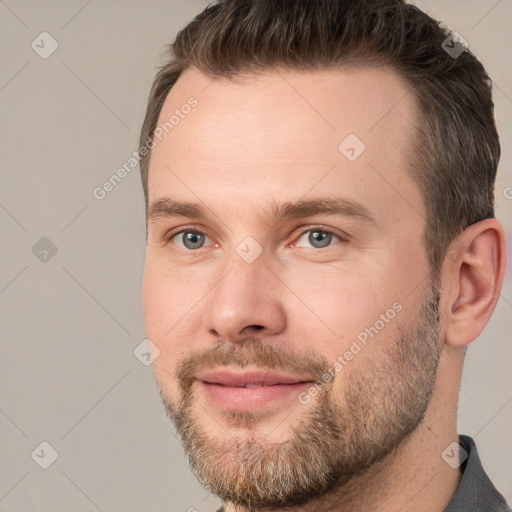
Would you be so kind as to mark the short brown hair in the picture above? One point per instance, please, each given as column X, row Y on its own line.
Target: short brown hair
column 456, row 145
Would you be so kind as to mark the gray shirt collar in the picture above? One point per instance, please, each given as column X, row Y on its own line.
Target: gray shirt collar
column 475, row 492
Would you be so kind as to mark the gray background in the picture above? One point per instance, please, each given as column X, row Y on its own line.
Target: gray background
column 69, row 324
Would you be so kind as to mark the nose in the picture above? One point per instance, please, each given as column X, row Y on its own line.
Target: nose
column 247, row 301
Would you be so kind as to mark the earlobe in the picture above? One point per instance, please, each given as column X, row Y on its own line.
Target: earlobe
column 475, row 267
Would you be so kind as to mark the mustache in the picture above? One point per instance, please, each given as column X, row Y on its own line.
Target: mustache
column 251, row 352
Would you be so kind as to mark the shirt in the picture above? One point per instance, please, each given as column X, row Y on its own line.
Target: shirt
column 475, row 492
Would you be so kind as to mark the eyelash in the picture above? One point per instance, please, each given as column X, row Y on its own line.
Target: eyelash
column 172, row 235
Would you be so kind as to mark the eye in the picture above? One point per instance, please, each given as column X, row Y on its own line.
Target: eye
column 190, row 239
column 319, row 238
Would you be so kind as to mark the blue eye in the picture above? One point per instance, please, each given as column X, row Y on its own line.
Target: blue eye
column 319, row 238
column 191, row 239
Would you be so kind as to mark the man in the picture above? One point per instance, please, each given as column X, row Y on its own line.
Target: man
column 321, row 250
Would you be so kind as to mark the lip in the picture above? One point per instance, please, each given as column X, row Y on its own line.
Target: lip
column 251, row 389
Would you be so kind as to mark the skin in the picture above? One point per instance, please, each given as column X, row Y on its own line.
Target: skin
column 275, row 137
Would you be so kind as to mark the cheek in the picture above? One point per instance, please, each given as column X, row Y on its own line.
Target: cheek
column 165, row 303
column 166, row 300
column 155, row 305
column 341, row 302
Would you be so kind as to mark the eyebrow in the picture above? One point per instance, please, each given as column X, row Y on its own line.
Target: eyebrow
column 166, row 207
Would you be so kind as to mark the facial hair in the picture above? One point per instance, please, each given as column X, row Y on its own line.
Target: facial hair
column 344, row 431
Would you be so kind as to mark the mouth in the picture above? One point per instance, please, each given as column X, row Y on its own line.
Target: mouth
column 250, row 390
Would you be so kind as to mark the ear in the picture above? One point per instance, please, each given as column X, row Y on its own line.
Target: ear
column 473, row 272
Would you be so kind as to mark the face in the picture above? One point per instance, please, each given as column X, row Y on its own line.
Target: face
column 289, row 302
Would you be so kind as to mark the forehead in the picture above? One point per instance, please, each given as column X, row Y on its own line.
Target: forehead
column 284, row 133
